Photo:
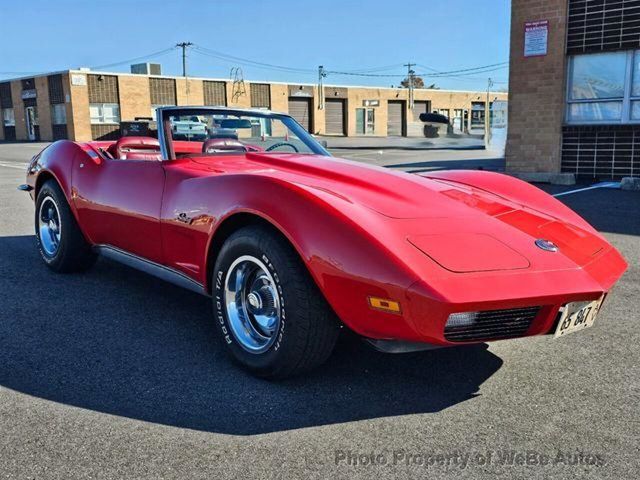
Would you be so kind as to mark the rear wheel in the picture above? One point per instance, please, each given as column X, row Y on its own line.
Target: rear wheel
column 274, row 320
column 60, row 241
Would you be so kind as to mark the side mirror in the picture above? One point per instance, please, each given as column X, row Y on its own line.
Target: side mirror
column 324, row 143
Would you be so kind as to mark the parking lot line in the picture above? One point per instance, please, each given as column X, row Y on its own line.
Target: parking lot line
column 19, row 166
column 615, row 185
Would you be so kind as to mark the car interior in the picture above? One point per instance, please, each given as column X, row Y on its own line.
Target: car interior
column 193, row 135
column 135, row 148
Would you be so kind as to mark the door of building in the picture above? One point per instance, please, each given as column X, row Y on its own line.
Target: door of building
column 31, row 118
column 396, row 119
column 300, row 109
column 334, row 117
column 365, row 121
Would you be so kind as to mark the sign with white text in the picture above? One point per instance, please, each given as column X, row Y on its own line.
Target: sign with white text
column 536, row 38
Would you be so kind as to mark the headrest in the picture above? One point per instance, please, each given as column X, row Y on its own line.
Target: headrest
column 128, row 147
column 223, row 144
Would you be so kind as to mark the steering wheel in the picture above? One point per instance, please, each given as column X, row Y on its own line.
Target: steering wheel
column 282, row 144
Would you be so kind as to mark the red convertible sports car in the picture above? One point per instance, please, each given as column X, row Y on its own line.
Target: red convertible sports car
column 292, row 244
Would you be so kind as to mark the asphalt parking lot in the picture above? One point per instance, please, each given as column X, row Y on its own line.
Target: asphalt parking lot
column 113, row 373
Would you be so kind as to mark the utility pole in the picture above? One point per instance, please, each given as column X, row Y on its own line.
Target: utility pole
column 184, row 46
column 410, row 77
column 321, row 75
column 487, row 115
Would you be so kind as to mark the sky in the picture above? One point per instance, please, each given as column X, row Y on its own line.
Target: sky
column 375, row 37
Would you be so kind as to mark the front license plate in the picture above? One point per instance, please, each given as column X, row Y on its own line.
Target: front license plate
column 577, row 316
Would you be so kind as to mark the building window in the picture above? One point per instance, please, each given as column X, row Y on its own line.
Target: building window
column 260, row 95
column 215, row 93
column 604, row 88
column 59, row 114
column 5, row 95
column 162, row 91
column 103, row 89
column 104, row 113
column 56, row 90
column 8, row 117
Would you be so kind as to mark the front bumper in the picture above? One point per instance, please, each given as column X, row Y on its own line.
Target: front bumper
column 425, row 314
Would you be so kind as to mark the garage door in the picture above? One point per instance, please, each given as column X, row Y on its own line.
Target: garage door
column 395, row 119
column 415, row 127
column 334, row 117
column 300, row 110
column 420, row 106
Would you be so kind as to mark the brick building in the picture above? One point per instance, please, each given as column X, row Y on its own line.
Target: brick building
column 84, row 105
column 574, row 92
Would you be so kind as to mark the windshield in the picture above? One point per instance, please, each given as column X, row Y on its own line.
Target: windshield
column 219, row 132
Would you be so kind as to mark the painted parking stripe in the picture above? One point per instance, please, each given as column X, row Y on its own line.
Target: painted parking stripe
column 19, row 166
column 615, row 185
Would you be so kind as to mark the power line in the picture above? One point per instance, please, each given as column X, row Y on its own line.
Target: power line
column 497, row 66
column 247, row 62
column 136, row 59
column 454, row 73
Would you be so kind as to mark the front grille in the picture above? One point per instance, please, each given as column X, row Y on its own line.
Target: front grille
column 493, row 325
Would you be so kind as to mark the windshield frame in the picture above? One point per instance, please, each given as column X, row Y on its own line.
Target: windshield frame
column 164, row 125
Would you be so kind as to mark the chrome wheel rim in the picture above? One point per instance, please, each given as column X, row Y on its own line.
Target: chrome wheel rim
column 49, row 226
column 252, row 304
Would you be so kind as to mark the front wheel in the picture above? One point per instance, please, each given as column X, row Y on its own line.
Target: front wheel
column 274, row 320
column 60, row 241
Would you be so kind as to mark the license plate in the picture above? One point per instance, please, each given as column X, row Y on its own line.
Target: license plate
column 577, row 316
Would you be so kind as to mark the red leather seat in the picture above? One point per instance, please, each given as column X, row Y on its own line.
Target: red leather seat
column 136, row 148
column 214, row 145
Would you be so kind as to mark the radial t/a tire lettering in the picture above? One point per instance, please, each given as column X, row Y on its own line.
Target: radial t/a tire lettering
column 271, row 315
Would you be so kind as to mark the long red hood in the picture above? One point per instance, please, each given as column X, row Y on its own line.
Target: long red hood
column 499, row 229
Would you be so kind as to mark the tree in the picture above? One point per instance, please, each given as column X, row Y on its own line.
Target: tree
column 417, row 82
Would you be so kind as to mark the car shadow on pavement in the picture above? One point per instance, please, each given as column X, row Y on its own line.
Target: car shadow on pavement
column 117, row 341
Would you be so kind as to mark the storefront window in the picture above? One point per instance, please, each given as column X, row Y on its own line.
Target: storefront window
column 104, row 113
column 8, row 117
column 599, row 76
column 59, row 114
column 604, row 88
column 600, row 111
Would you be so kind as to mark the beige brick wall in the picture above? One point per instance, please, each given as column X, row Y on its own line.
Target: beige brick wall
column 18, row 110
column 44, row 108
column 79, row 122
column 280, row 98
column 189, row 92
column 536, row 90
column 318, row 118
column 236, row 97
column 135, row 100
column 66, row 88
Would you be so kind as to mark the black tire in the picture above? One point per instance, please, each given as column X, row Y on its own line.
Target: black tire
column 73, row 253
column 308, row 328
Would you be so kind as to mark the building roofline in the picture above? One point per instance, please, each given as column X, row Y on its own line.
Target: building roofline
column 213, row 79
column 218, row 79
column 35, row 75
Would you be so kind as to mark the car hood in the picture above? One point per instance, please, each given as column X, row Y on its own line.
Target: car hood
column 459, row 214
column 394, row 194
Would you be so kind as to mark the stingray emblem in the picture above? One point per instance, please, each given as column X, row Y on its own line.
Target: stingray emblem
column 546, row 245
column 184, row 218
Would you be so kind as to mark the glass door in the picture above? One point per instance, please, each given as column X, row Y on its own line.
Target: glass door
column 32, row 121
column 365, row 121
